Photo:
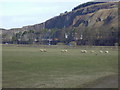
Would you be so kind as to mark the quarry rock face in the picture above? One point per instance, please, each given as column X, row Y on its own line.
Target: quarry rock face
column 86, row 13
column 68, row 19
column 91, row 15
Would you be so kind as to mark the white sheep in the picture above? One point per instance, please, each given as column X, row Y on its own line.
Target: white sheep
column 64, row 50
column 92, row 51
column 101, row 51
column 106, row 51
column 83, row 51
column 43, row 50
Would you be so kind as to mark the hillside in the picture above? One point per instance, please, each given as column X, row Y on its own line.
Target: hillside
column 91, row 23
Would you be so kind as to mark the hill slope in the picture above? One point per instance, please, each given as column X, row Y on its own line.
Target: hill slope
column 92, row 23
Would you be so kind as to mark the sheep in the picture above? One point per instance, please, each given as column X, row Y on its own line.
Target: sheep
column 64, row 50
column 83, row 51
column 106, row 51
column 92, row 51
column 101, row 51
column 43, row 50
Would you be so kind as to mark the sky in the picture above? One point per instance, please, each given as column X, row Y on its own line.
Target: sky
column 19, row 13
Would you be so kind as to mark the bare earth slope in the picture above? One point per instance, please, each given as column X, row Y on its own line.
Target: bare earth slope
column 104, row 82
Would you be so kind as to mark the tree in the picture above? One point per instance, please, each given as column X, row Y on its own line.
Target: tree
column 14, row 39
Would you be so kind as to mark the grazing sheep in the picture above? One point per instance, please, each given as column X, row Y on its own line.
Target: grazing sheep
column 101, row 51
column 44, row 50
column 92, row 51
column 64, row 50
column 41, row 50
column 83, row 51
column 106, row 52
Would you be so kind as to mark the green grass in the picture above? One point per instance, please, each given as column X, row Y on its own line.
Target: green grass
column 30, row 68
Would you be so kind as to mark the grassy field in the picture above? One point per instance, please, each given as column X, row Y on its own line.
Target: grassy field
column 27, row 67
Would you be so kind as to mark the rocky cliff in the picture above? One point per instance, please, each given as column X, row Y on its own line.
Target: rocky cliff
column 94, row 18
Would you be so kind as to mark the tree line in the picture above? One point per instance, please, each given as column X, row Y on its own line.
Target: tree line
column 87, row 36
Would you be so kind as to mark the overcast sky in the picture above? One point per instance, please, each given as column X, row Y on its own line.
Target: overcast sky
column 18, row 13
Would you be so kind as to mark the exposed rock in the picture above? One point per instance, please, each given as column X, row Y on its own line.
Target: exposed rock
column 92, row 16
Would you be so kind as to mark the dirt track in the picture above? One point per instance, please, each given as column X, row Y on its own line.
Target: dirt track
column 106, row 82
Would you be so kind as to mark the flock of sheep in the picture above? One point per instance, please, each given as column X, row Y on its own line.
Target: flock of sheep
column 82, row 51
column 92, row 51
column 44, row 50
